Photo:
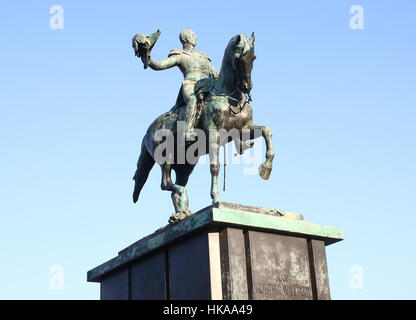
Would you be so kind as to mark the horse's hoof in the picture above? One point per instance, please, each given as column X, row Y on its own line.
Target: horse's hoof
column 216, row 199
column 265, row 171
column 188, row 213
column 178, row 216
column 245, row 145
column 249, row 144
column 174, row 218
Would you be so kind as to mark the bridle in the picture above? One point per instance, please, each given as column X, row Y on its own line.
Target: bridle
column 245, row 98
column 241, row 103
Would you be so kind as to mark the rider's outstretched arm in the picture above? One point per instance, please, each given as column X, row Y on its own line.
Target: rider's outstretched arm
column 170, row 62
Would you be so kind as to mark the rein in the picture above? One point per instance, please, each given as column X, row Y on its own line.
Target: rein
column 240, row 107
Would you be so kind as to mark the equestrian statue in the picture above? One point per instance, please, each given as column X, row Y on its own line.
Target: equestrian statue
column 209, row 106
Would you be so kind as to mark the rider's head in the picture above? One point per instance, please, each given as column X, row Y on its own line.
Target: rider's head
column 187, row 37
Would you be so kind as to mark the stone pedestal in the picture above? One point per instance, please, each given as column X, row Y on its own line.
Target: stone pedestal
column 225, row 251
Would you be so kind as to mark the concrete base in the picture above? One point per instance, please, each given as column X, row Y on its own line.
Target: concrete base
column 225, row 251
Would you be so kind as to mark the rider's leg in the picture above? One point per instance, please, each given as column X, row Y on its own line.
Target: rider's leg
column 190, row 113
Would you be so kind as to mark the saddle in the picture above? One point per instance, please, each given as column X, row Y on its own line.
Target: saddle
column 203, row 89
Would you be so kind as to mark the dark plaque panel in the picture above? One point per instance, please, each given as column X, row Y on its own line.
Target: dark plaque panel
column 321, row 270
column 116, row 286
column 233, row 264
column 189, row 269
column 279, row 267
column 148, row 278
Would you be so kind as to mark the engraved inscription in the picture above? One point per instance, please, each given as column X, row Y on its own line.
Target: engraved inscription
column 280, row 267
column 283, row 277
column 282, row 290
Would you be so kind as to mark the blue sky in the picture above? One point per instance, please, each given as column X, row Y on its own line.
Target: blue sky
column 75, row 103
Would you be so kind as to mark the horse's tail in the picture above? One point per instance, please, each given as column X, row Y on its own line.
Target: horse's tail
column 144, row 165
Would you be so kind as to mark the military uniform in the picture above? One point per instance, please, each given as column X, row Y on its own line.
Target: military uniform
column 194, row 66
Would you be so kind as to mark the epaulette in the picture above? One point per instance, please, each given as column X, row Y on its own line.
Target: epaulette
column 176, row 51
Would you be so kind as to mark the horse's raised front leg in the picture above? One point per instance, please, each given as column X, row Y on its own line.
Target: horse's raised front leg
column 179, row 195
column 214, row 148
column 266, row 167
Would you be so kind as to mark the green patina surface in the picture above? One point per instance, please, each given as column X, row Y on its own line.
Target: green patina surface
column 263, row 221
column 167, row 234
column 212, row 106
column 216, row 217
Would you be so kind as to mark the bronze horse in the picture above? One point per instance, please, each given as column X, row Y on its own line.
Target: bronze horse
column 226, row 107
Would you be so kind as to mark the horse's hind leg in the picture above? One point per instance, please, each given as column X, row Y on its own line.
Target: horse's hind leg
column 179, row 195
column 183, row 172
column 266, row 167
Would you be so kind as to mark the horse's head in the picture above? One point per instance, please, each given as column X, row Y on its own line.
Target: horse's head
column 242, row 60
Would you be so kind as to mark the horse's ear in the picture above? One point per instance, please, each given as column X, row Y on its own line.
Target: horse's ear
column 238, row 39
column 252, row 38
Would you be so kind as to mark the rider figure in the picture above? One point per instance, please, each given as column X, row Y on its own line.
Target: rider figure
column 195, row 66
